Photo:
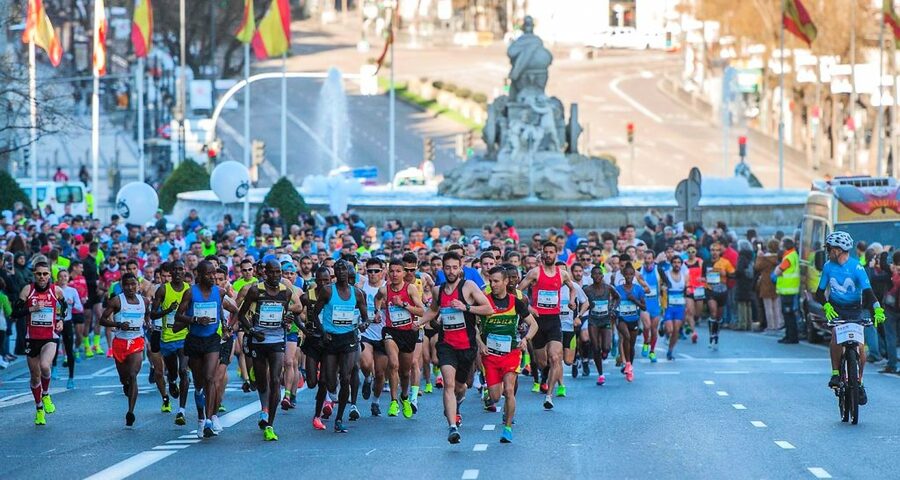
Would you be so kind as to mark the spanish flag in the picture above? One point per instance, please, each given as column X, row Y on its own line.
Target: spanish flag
column 273, row 37
column 248, row 24
column 100, row 27
column 38, row 25
column 796, row 20
column 891, row 19
column 142, row 28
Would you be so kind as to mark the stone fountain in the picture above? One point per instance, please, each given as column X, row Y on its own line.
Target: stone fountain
column 532, row 152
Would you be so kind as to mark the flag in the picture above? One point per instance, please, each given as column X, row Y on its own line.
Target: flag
column 387, row 46
column 796, row 20
column 142, row 28
column 248, row 24
column 38, row 24
column 891, row 19
column 100, row 26
column 273, row 36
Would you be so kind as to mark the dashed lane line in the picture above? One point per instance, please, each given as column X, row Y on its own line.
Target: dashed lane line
column 479, row 447
column 738, row 406
column 784, row 444
column 757, row 424
column 722, row 393
column 819, row 472
column 489, row 427
column 470, row 475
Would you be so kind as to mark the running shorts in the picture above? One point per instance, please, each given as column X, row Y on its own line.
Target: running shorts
column 602, row 322
column 292, row 337
column 340, row 343
column 312, row 346
column 405, row 339
column 461, row 360
column 155, row 339
column 377, row 345
column 569, row 340
column 674, row 312
column 262, row 350
column 195, row 346
column 549, row 330
column 226, row 348
column 33, row 346
column 497, row 366
column 78, row 318
column 122, row 348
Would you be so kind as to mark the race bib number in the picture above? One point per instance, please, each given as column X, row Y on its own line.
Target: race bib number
column 676, row 298
column 134, row 320
column 548, row 298
column 42, row 318
column 271, row 314
column 601, row 307
column 499, row 344
column 628, row 307
column 699, row 293
column 713, row 278
column 849, row 332
column 399, row 316
column 205, row 309
column 452, row 319
column 370, row 303
column 654, row 291
column 343, row 315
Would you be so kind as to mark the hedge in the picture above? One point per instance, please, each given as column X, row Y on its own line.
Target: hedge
column 189, row 176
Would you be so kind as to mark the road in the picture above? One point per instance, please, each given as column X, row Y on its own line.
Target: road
column 754, row 409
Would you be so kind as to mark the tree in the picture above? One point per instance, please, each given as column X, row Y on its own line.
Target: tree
column 189, row 176
column 10, row 192
column 284, row 197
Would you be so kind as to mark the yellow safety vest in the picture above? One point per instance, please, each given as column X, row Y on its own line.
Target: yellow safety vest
column 788, row 283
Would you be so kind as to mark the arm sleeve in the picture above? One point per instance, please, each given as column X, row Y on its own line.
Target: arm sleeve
column 4, row 303
column 824, row 278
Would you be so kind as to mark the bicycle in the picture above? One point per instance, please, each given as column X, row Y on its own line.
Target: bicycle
column 850, row 335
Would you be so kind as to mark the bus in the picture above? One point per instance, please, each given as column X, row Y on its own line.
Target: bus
column 868, row 208
column 58, row 195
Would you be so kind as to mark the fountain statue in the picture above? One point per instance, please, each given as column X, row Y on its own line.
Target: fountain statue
column 531, row 150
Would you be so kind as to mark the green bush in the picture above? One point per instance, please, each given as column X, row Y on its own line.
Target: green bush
column 286, row 199
column 463, row 93
column 438, row 84
column 10, row 192
column 450, row 87
column 479, row 98
column 189, row 176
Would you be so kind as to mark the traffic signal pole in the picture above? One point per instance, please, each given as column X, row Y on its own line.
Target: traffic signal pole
column 629, row 129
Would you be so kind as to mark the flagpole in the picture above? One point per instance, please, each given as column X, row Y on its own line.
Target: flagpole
column 95, row 133
column 879, row 123
column 392, row 167
column 247, row 141
column 32, row 101
column 853, row 143
column 781, row 107
column 284, row 114
column 140, row 120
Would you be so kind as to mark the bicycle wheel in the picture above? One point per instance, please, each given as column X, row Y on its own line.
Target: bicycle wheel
column 842, row 393
column 852, row 356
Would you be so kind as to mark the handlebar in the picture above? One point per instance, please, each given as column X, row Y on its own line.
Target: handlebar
column 863, row 322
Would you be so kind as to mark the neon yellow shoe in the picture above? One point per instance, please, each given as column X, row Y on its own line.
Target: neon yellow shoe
column 536, row 388
column 269, row 434
column 39, row 417
column 393, row 409
column 252, row 375
column 166, row 406
column 98, row 349
column 560, row 390
column 49, row 407
column 88, row 352
column 407, row 408
column 428, row 388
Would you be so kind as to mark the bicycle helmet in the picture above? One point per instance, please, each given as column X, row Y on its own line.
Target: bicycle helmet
column 839, row 239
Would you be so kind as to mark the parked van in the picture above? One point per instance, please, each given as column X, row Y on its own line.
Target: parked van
column 58, row 195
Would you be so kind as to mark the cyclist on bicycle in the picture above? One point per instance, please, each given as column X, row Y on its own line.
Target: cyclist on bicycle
column 849, row 291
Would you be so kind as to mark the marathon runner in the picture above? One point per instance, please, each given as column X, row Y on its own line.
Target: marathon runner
column 631, row 302
column 696, row 291
column 312, row 346
column 291, row 359
column 373, row 358
column 715, row 279
column 602, row 300
column 651, row 317
column 75, row 310
column 247, row 270
column 165, row 303
column 570, row 322
column 424, row 284
column 226, row 347
column 676, row 285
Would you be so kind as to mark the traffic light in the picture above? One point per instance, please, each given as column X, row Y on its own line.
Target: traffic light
column 258, row 152
column 428, row 146
column 630, row 131
column 742, row 147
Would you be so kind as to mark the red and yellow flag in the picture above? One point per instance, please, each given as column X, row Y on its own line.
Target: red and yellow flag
column 100, row 26
column 38, row 27
column 797, row 21
column 245, row 33
column 387, row 46
column 891, row 19
column 142, row 28
column 273, row 37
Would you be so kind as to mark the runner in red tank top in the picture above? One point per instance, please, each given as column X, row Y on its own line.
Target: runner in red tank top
column 458, row 301
column 40, row 304
column 399, row 303
column 548, row 279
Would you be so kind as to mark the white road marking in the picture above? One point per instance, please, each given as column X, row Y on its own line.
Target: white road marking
column 370, row 451
column 188, row 436
column 131, row 465
column 662, row 373
column 489, row 427
column 684, row 355
column 17, row 395
column 785, row 445
column 819, row 472
column 738, row 406
column 757, row 424
column 614, row 86
column 102, row 393
column 709, row 382
column 235, row 416
column 186, row 441
column 27, row 398
column 470, row 475
column 479, row 447
column 722, row 393
column 103, row 371
column 170, row 447
column 731, row 372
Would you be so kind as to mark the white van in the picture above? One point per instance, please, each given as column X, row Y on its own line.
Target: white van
column 58, row 195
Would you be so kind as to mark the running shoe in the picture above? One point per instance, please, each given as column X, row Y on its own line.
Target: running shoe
column 393, row 409
column 166, row 406
column 339, row 427
column 574, row 370
column 48, row 404
column 70, row 384
column 601, row 379
column 585, row 368
column 376, row 410
column 367, row 388
column 454, row 437
column 246, row 387
column 670, row 356
column 652, row 357
column 302, row 380
column 88, row 353
column 536, row 387
column 506, row 436
column 560, row 390
column 439, row 382
column 327, row 408
column 286, row 403
column 317, row 423
column 407, row 408
column 458, row 420
column 428, row 388
column 414, row 403
column 694, row 337
column 629, row 372
column 263, row 420
column 39, row 417
column 216, row 424
column 863, row 398
column 269, row 434
column 548, row 403
column 526, row 370
column 645, row 350
column 108, row 354
column 619, row 361
column 354, row 413
column 150, row 379
column 179, row 419
column 201, row 429
column 97, row 348
column 545, row 388
column 221, row 409
column 489, row 405
column 835, row 381
column 173, row 390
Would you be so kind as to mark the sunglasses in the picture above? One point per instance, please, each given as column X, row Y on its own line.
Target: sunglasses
column 246, row 269
column 410, row 270
column 41, row 274
column 373, row 270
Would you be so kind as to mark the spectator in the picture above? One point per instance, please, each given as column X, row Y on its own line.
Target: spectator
column 744, row 295
column 764, row 266
column 891, row 302
column 192, row 222
column 60, row 175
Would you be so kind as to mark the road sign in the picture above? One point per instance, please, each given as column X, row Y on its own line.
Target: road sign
column 365, row 172
column 687, row 194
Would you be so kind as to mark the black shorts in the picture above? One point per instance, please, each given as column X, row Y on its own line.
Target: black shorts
column 549, row 330
column 226, row 348
column 155, row 338
column 261, row 350
column 78, row 318
column 430, row 332
column 91, row 301
column 461, row 360
column 33, row 347
column 721, row 298
column 195, row 346
column 312, row 346
column 340, row 343
column 377, row 345
column 602, row 322
column 567, row 338
column 405, row 339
